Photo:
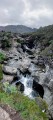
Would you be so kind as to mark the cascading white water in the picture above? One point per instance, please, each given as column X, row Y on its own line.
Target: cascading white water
column 27, row 82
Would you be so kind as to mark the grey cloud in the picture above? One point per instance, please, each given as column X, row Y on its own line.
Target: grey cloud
column 33, row 13
column 38, row 4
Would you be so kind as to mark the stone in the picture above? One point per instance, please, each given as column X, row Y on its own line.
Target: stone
column 4, row 115
column 9, row 70
column 8, row 78
column 24, row 64
column 51, row 85
column 48, row 97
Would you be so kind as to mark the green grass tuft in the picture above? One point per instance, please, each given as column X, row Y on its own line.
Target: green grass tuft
column 2, row 57
column 1, row 73
column 29, row 109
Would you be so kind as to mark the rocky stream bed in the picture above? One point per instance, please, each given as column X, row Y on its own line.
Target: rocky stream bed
column 26, row 68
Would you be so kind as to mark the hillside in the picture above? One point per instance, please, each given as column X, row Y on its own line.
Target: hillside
column 43, row 39
column 26, row 73
column 17, row 29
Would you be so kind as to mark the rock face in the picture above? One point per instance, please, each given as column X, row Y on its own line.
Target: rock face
column 9, row 70
column 4, row 115
column 51, row 85
column 8, row 78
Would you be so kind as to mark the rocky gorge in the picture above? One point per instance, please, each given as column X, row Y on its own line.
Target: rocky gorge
column 25, row 66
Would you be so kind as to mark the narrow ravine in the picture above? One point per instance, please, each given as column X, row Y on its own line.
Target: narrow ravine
column 24, row 68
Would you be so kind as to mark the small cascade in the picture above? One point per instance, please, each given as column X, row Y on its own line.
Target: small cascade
column 27, row 82
column 27, row 85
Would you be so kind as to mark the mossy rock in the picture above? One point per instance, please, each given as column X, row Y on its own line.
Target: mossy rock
column 41, row 103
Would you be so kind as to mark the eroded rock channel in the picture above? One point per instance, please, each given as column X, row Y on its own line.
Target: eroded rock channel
column 24, row 68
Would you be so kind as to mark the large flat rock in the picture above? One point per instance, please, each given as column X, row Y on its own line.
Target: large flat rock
column 9, row 70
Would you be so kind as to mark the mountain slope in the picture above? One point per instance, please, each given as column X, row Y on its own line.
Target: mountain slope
column 17, row 29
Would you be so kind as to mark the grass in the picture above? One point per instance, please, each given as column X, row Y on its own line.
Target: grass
column 48, row 51
column 2, row 57
column 28, row 109
column 1, row 73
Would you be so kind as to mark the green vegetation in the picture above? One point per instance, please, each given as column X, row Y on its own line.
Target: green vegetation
column 47, row 51
column 28, row 109
column 44, row 38
column 5, row 39
column 1, row 73
column 5, row 43
column 21, row 41
column 9, row 88
column 2, row 57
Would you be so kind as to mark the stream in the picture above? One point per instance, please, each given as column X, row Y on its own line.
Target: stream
column 26, row 84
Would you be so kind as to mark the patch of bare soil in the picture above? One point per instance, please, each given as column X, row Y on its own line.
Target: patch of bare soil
column 14, row 115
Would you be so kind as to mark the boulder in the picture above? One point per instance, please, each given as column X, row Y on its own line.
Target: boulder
column 4, row 115
column 24, row 65
column 8, row 78
column 9, row 70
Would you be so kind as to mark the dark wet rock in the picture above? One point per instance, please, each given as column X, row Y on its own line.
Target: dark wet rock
column 26, row 72
column 37, row 87
column 15, row 80
column 21, row 87
column 26, row 49
column 31, row 57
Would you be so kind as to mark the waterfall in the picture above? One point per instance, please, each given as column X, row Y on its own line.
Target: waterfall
column 28, row 91
column 27, row 84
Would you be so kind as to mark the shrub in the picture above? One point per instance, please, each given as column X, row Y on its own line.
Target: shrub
column 1, row 73
column 2, row 57
column 9, row 88
column 48, row 51
column 5, row 44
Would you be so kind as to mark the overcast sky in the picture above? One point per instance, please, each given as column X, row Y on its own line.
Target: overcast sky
column 32, row 13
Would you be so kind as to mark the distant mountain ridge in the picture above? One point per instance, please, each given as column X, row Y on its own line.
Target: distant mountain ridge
column 17, row 29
